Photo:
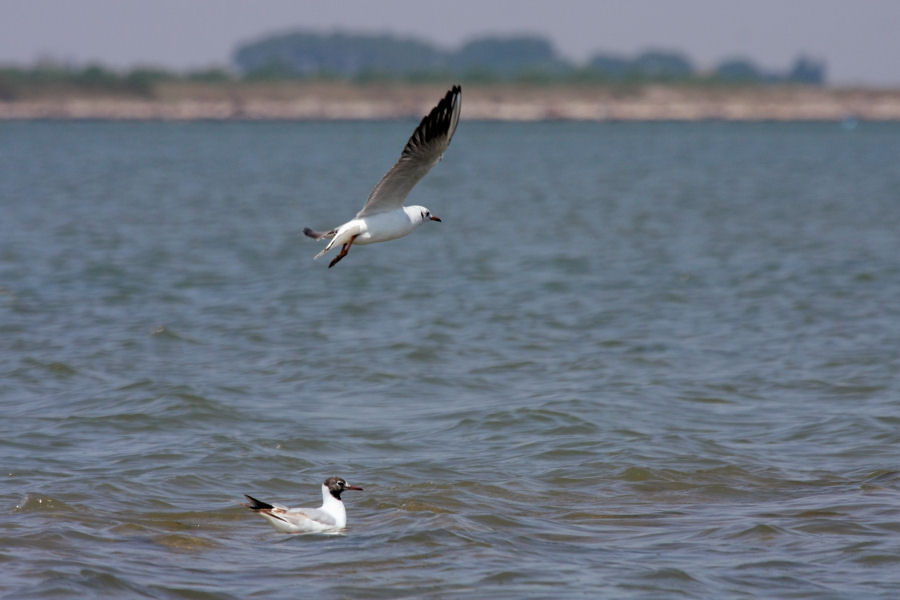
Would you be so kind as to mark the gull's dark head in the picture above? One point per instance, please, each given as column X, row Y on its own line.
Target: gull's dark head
column 337, row 485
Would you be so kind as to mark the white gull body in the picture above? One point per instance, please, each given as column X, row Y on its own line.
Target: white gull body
column 331, row 517
column 384, row 217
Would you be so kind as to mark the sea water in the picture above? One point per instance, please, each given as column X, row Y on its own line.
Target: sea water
column 634, row 361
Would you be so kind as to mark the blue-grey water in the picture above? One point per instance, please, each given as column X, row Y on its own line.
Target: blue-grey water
column 634, row 361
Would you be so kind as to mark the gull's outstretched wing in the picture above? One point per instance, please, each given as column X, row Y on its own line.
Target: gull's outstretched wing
column 423, row 150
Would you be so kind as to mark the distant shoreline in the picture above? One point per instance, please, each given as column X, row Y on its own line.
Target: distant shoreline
column 185, row 101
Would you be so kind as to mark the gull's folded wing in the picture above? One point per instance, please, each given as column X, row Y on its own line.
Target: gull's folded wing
column 313, row 514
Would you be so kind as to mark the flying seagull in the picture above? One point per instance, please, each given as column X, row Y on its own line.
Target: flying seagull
column 384, row 217
column 330, row 517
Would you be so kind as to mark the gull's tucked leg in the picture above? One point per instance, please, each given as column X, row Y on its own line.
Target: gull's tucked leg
column 344, row 250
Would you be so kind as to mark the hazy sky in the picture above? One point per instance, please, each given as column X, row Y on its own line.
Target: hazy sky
column 858, row 39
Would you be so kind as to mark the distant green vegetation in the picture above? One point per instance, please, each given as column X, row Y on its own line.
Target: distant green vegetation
column 530, row 58
column 18, row 82
column 367, row 58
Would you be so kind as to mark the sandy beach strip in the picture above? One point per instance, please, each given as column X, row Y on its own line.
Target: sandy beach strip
column 502, row 102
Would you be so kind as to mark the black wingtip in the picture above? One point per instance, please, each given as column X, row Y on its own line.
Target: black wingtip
column 255, row 504
column 436, row 123
column 447, row 101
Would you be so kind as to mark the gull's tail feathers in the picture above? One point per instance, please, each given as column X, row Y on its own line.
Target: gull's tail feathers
column 269, row 511
column 255, row 504
column 319, row 235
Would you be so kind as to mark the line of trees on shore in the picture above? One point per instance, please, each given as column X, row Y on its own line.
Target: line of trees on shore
column 373, row 58
column 492, row 58
column 50, row 78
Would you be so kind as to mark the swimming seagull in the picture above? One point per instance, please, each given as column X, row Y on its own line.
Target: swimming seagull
column 330, row 517
column 384, row 217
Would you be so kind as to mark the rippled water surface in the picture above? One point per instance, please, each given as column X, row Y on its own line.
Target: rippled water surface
column 634, row 361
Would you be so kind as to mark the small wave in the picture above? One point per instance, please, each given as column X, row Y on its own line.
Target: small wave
column 760, row 531
column 185, row 543
column 670, row 573
column 54, row 369
column 41, row 503
column 163, row 332
column 881, row 481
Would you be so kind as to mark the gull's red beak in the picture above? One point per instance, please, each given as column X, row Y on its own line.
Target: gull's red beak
column 434, row 218
column 353, row 487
